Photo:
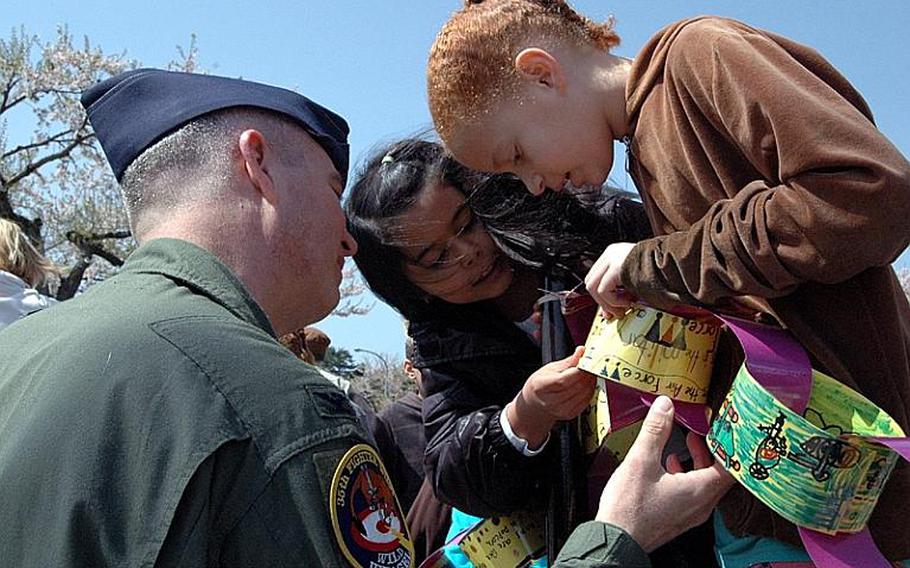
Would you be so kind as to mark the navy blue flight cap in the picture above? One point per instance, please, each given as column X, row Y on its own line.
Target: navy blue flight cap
column 133, row 110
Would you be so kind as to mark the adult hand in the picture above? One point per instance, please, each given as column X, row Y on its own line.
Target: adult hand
column 654, row 504
column 604, row 280
column 557, row 391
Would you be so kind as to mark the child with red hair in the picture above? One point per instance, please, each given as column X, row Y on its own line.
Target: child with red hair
column 765, row 179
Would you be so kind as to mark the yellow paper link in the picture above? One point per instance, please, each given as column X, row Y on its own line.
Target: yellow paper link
column 619, row 442
column 505, row 542
column 655, row 352
column 594, row 424
column 816, row 470
column 594, row 421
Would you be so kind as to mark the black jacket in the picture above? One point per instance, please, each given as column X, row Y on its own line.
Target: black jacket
column 401, row 442
column 474, row 362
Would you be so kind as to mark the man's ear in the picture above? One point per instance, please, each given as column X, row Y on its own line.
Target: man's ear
column 257, row 159
column 414, row 374
column 539, row 66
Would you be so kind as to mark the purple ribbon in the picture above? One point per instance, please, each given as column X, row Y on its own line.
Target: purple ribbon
column 628, row 406
column 776, row 361
column 843, row 550
column 782, row 367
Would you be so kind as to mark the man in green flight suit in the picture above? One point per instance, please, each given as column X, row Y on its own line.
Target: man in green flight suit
column 156, row 421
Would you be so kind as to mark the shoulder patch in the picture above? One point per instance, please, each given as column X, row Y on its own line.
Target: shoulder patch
column 366, row 516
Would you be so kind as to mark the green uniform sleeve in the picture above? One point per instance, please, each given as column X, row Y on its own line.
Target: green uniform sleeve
column 595, row 544
column 288, row 523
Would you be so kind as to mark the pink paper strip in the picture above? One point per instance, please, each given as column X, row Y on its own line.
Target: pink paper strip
column 776, row 361
column 627, row 406
column 843, row 550
column 899, row 445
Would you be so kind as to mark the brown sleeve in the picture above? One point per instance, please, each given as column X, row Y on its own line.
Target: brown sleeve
column 835, row 194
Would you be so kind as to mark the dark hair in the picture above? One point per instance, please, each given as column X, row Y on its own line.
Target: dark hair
column 384, row 188
column 553, row 232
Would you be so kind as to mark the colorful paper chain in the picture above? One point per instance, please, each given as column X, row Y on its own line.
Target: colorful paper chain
column 497, row 542
column 811, row 448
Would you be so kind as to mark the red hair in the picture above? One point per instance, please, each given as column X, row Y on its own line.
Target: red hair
column 471, row 62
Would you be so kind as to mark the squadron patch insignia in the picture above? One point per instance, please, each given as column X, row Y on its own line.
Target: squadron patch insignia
column 368, row 521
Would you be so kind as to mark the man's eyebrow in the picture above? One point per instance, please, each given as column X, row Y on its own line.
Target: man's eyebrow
column 429, row 247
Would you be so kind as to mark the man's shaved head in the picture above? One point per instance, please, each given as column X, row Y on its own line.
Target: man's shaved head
column 198, row 162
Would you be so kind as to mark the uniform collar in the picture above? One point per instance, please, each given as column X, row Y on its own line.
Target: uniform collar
column 200, row 270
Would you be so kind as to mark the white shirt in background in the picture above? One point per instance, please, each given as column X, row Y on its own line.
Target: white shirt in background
column 17, row 299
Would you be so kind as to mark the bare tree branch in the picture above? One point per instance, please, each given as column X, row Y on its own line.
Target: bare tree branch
column 31, row 227
column 7, row 90
column 121, row 234
column 69, row 284
column 90, row 247
column 10, row 85
column 69, row 92
column 15, row 102
column 59, row 137
column 35, row 166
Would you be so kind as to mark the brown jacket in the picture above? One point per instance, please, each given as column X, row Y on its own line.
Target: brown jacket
column 763, row 172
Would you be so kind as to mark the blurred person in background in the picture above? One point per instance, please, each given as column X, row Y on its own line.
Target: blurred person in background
column 22, row 270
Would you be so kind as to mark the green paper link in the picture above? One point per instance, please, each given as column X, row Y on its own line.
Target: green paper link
column 815, row 470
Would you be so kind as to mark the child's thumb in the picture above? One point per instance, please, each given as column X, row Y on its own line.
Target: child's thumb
column 570, row 361
column 655, row 431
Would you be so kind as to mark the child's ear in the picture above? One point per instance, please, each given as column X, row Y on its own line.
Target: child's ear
column 539, row 66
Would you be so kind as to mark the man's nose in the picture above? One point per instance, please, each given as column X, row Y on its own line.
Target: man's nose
column 348, row 243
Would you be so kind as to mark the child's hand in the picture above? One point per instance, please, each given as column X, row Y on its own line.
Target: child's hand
column 557, row 391
column 603, row 280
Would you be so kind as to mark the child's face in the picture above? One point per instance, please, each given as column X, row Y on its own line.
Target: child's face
column 448, row 253
column 549, row 139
